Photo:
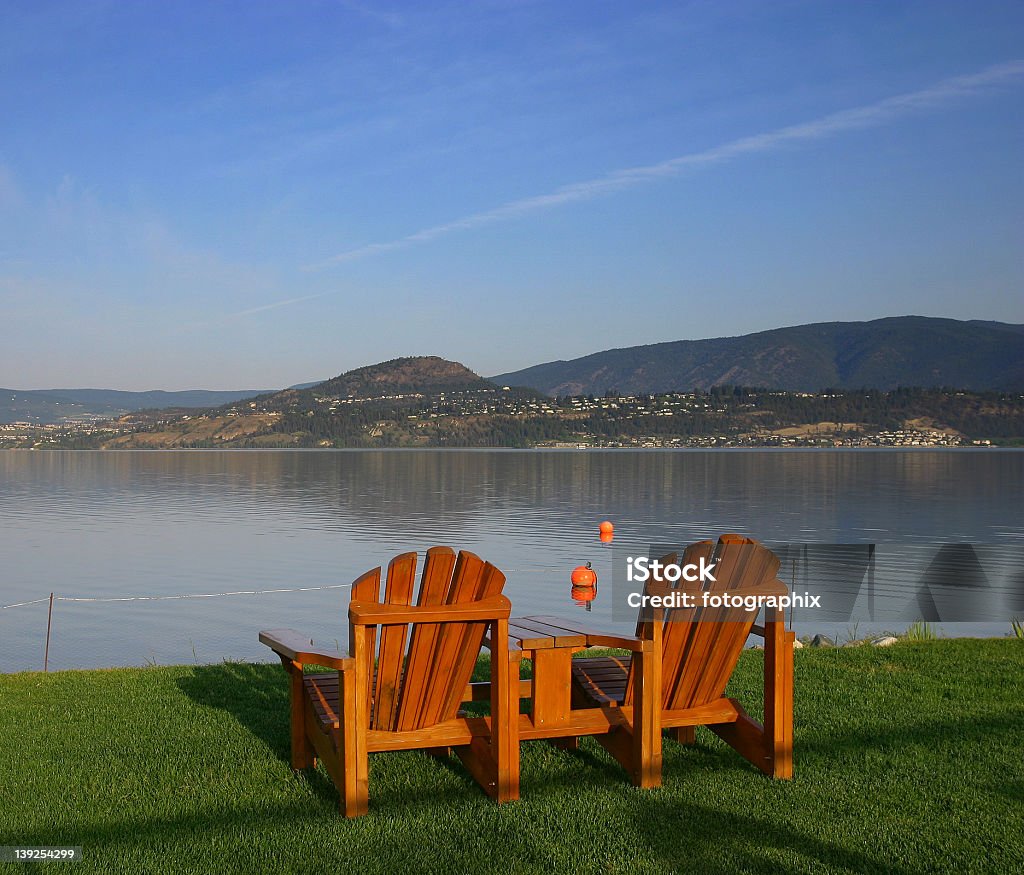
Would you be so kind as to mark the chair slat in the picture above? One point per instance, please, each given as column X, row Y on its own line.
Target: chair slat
column 707, row 628
column 719, row 637
column 437, row 573
column 366, row 588
column 448, row 638
column 678, row 629
column 401, row 581
column 489, row 582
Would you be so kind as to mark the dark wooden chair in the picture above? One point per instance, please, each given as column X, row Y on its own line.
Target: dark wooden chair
column 406, row 676
column 680, row 662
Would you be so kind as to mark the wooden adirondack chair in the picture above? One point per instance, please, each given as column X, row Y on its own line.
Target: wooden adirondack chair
column 682, row 660
column 407, row 674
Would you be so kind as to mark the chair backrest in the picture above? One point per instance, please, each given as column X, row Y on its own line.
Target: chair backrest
column 421, row 684
column 701, row 645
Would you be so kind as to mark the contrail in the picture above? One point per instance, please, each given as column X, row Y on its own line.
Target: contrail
column 868, row 116
column 871, row 115
column 276, row 304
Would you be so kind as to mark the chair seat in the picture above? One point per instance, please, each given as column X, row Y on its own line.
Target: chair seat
column 322, row 690
column 602, row 678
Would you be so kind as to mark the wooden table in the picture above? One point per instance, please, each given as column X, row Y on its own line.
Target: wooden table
column 549, row 643
column 549, row 647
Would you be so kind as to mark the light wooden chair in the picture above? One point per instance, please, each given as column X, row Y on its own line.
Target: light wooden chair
column 680, row 662
column 406, row 676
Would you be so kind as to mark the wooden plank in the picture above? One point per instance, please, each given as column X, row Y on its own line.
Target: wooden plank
column 461, row 730
column 646, row 728
column 356, row 721
column 401, row 580
column 324, row 743
column 705, row 630
column 450, row 644
column 678, row 629
column 366, row 588
column 373, row 614
column 778, row 694
column 480, row 691
column 489, row 586
column 594, row 637
column 720, row 711
column 302, row 754
column 504, row 740
column 294, row 647
column 325, row 703
column 539, row 629
column 752, row 571
column 603, row 679
column 552, row 684
column 437, row 573
column 708, row 649
column 351, row 778
column 528, row 639
column 746, row 736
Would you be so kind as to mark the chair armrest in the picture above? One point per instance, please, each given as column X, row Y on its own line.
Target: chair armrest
column 597, row 638
column 289, row 644
column 374, row 614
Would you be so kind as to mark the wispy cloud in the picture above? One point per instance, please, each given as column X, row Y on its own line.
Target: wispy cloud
column 277, row 304
column 871, row 115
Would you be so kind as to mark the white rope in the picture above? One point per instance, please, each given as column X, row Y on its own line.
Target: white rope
column 204, row 595
column 22, row 604
column 215, row 595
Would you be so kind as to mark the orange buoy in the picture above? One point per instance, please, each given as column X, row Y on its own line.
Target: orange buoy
column 606, row 528
column 584, row 575
column 584, row 593
column 606, row 537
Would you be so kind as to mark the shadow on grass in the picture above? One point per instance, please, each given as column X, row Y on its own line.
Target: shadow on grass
column 256, row 696
column 686, row 836
column 966, row 730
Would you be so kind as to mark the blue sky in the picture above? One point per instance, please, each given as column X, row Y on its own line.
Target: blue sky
column 253, row 194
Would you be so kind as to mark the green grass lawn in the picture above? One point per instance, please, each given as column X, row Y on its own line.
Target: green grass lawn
column 908, row 759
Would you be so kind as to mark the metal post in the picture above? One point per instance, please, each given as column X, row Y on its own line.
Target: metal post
column 49, row 624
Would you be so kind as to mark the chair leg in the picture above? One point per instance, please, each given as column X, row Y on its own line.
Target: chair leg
column 505, row 721
column 778, row 698
column 646, row 741
column 683, row 734
column 302, row 752
column 353, row 766
column 439, row 752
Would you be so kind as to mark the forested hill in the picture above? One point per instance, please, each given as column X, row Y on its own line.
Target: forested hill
column 59, row 405
column 881, row 354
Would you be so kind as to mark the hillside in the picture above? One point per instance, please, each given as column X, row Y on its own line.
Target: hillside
column 413, row 401
column 403, row 375
column 881, row 354
column 60, row 405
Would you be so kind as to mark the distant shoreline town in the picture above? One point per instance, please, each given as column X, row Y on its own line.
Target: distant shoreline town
column 486, row 416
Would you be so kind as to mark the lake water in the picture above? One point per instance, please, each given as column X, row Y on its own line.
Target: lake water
column 117, row 525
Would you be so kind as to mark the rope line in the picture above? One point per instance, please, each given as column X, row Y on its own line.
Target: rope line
column 23, row 604
column 203, row 595
column 214, row 595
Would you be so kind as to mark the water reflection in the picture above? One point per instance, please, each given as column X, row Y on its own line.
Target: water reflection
column 110, row 524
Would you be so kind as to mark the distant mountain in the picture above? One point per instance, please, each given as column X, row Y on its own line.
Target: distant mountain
column 412, row 374
column 426, row 375
column 58, row 405
column 882, row 354
column 406, row 402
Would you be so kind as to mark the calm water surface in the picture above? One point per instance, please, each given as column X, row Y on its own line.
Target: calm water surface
column 116, row 525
